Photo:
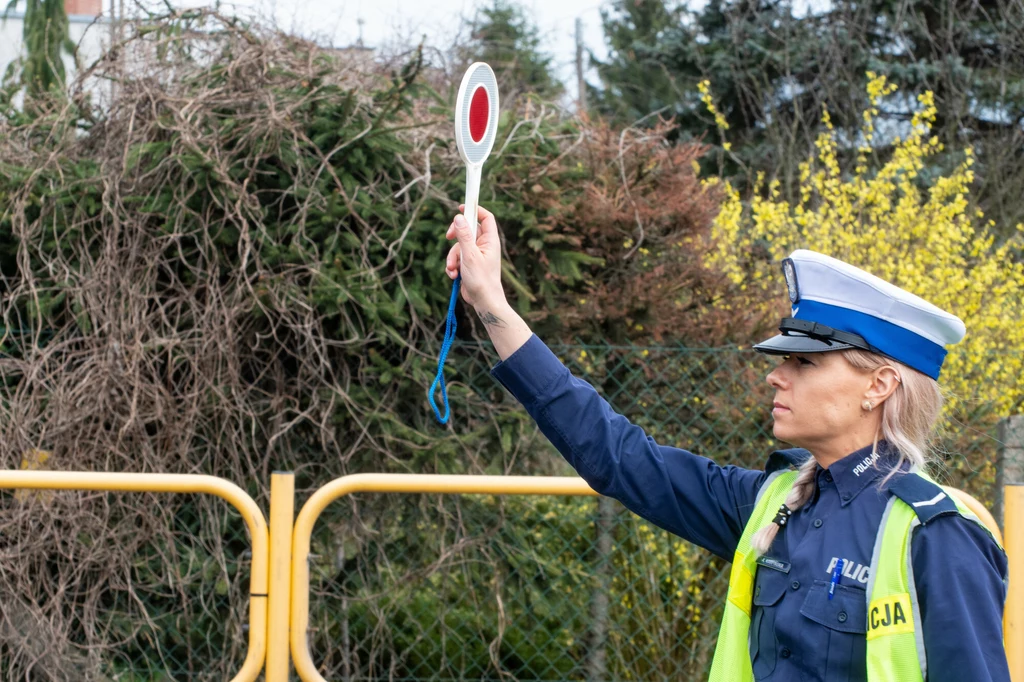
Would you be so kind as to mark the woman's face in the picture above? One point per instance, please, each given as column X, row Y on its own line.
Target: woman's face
column 818, row 398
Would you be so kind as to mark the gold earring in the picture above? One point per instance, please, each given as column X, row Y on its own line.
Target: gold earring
column 867, row 406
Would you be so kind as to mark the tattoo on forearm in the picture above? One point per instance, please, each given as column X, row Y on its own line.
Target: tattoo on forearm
column 491, row 320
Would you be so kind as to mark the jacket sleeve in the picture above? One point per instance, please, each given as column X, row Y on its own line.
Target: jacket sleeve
column 684, row 493
column 959, row 573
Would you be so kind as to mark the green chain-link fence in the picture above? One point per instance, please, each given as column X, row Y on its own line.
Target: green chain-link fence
column 180, row 613
column 427, row 587
column 449, row 588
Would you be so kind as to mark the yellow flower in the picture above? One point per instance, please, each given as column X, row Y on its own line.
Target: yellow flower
column 705, row 96
column 927, row 240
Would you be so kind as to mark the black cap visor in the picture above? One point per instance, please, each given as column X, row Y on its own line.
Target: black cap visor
column 802, row 336
column 785, row 344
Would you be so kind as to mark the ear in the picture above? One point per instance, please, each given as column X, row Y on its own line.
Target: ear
column 884, row 381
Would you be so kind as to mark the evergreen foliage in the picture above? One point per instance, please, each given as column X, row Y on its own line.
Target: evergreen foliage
column 633, row 81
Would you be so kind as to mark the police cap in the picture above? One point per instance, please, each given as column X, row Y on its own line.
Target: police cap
column 838, row 306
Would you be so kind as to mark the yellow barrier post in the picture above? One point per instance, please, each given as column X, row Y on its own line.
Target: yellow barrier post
column 180, row 483
column 1013, row 622
column 393, row 483
column 282, row 511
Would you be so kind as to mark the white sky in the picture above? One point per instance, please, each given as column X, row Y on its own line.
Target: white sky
column 389, row 23
column 386, row 22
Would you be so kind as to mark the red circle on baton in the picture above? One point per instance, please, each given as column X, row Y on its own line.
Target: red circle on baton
column 479, row 113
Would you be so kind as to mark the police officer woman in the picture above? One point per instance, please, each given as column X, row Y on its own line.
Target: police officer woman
column 848, row 563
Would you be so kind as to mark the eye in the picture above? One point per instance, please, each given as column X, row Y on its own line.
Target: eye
column 803, row 361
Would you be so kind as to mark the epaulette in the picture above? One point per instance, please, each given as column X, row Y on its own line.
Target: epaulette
column 927, row 499
column 784, row 459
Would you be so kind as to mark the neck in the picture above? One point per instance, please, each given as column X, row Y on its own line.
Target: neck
column 827, row 456
column 863, row 433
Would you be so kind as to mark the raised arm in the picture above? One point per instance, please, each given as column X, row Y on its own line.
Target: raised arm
column 684, row 493
column 673, row 488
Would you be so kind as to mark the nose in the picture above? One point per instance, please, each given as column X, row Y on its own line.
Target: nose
column 775, row 378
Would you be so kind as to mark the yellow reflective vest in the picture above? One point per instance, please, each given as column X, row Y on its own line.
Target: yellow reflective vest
column 895, row 645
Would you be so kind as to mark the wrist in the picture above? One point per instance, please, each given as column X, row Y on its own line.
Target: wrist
column 494, row 306
column 506, row 329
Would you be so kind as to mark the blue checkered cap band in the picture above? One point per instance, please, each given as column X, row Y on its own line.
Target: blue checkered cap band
column 891, row 321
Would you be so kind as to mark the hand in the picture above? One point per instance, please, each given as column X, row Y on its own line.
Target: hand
column 479, row 263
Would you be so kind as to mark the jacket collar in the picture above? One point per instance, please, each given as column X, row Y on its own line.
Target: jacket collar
column 855, row 472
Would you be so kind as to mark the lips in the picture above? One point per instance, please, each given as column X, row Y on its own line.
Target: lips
column 779, row 407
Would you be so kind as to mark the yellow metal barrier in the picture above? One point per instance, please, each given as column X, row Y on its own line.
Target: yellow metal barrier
column 180, row 483
column 1013, row 621
column 393, row 483
column 280, row 557
column 282, row 511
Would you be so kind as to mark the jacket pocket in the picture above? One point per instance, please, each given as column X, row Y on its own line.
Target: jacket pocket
column 769, row 586
column 845, row 617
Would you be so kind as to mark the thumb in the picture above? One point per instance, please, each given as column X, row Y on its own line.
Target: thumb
column 463, row 234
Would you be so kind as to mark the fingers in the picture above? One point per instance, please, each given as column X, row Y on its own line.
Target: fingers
column 453, row 262
column 481, row 212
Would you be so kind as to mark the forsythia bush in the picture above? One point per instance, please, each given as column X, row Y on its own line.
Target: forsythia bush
column 920, row 234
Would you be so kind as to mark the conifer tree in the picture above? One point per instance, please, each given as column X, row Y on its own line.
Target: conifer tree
column 46, row 36
column 506, row 38
column 634, row 80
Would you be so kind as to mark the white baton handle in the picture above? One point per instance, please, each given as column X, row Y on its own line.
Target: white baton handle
column 472, row 196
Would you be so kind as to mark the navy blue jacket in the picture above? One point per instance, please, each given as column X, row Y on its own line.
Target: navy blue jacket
column 797, row 633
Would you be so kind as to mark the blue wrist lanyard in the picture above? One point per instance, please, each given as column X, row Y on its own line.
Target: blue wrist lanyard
column 449, row 337
column 837, row 572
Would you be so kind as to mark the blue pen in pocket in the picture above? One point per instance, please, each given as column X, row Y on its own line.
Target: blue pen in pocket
column 837, row 572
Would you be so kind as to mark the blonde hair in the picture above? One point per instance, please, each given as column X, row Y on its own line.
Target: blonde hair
column 909, row 417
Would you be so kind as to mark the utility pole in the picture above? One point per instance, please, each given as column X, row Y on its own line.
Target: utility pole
column 113, row 24
column 581, row 84
column 116, row 36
